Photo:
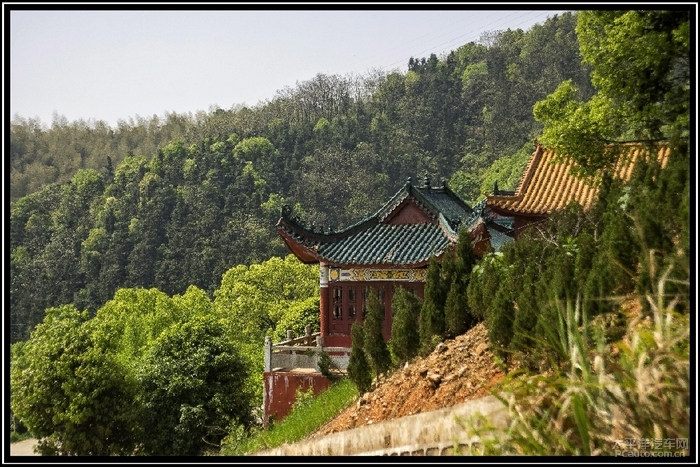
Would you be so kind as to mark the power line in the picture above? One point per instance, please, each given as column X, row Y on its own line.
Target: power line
column 473, row 35
column 422, row 38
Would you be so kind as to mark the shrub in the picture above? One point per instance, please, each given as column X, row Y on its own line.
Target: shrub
column 194, row 389
column 599, row 400
column 328, row 367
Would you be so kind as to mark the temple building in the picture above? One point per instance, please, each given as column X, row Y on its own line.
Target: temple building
column 393, row 248
column 389, row 249
column 547, row 185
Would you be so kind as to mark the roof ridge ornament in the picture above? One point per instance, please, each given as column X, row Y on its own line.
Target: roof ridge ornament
column 426, row 181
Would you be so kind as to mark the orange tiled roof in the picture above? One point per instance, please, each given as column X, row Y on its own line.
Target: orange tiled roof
column 548, row 186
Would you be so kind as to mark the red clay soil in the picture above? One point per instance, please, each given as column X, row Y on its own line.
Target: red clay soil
column 458, row 370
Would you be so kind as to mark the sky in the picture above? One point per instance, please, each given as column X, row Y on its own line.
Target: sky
column 119, row 64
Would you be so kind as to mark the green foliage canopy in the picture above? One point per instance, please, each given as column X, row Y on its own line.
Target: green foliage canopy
column 641, row 69
column 71, row 391
column 194, row 389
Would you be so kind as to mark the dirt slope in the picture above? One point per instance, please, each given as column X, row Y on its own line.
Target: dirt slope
column 458, row 370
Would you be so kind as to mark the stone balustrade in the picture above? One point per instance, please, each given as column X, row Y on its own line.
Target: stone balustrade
column 300, row 353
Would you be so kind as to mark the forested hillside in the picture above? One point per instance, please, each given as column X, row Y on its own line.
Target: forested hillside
column 177, row 201
column 152, row 281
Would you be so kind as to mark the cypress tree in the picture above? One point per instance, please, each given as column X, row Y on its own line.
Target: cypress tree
column 432, row 319
column 404, row 329
column 615, row 263
column 375, row 348
column 500, row 322
column 657, row 207
column 448, row 271
column 456, row 312
column 526, row 315
column 458, row 318
column 359, row 371
column 484, row 282
column 465, row 259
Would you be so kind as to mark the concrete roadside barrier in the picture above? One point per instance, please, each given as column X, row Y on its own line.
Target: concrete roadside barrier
column 436, row 432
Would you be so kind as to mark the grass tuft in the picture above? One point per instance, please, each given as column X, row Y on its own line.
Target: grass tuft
column 607, row 395
column 303, row 420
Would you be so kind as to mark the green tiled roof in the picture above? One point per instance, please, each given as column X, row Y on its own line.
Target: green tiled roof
column 498, row 239
column 482, row 211
column 376, row 241
column 382, row 244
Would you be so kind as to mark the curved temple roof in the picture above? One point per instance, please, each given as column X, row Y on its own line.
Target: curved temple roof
column 416, row 224
column 547, row 185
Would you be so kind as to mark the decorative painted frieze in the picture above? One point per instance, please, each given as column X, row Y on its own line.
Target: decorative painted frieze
column 366, row 274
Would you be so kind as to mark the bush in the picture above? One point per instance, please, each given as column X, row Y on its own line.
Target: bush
column 194, row 389
column 599, row 401
column 328, row 367
column 302, row 398
column 70, row 392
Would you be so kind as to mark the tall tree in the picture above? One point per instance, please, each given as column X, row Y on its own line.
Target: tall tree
column 374, row 346
column 405, row 340
column 432, row 315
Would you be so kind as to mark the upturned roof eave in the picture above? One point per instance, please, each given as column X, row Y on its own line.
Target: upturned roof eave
column 506, row 212
column 301, row 251
column 419, row 193
column 302, row 231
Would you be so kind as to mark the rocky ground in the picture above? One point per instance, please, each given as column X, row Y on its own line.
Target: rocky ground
column 458, row 370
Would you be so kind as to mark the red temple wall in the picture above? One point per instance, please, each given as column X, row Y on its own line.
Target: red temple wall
column 281, row 388
column 338, row 328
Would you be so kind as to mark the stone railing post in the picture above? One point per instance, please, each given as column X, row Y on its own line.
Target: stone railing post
column 290, row 334
column 307, row 331
column 268, row 353
column 317, row 354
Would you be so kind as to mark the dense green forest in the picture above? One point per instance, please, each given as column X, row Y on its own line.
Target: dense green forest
column 151, row 276
column 174, row 202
